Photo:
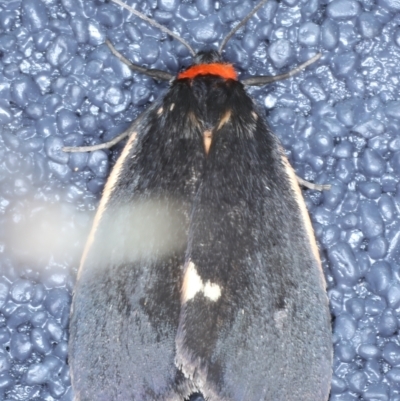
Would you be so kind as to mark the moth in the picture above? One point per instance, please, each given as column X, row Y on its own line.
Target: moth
column 201, row 277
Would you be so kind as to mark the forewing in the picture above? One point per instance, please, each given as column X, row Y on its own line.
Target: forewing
column 255, row 321
column 127, row 297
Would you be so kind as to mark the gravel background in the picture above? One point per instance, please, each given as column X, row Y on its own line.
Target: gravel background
column 339, row 122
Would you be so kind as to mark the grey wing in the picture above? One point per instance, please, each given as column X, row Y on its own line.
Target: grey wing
column 126, row 302
column 255, row 322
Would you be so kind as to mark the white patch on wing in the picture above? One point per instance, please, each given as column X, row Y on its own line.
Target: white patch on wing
column 280, row 317
column 212, row 291
column 193, row 284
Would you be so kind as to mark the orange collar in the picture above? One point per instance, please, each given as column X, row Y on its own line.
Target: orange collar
column 222, row 70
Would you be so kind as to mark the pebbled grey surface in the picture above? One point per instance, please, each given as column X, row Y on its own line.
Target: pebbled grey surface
column 339, row 122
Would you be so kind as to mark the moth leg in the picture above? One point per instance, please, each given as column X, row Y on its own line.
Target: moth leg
column 311, row 185
column 154, row 73
column 92, row 148
column 107, row 145
column 262, row 80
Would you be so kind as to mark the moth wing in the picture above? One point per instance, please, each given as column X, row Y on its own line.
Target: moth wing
column 126, row 303
column 255, row 322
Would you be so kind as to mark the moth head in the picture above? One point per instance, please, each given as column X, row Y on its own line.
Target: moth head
column 207, row 57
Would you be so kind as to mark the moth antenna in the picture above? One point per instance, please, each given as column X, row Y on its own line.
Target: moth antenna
column 92, row 148
column 262, row 80
column 156, row 24
column 151, row 72
column 107, row 145
column 240, row 24
column 312, row 185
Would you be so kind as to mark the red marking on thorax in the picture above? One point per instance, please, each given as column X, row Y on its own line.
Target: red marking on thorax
column 222, row 70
